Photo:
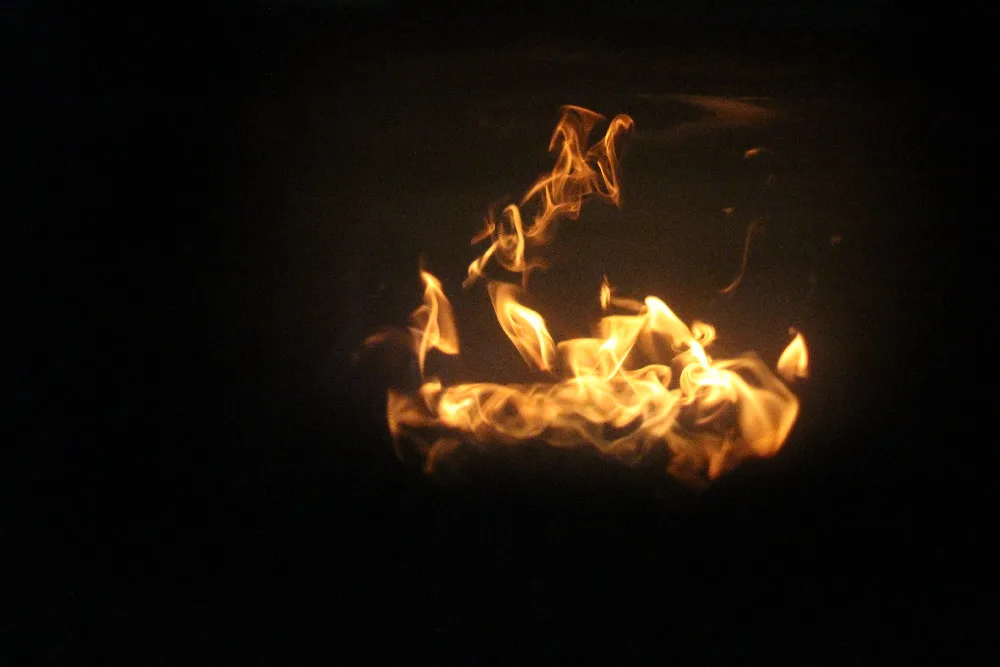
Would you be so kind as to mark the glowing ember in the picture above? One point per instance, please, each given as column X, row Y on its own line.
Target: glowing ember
column 644, row 382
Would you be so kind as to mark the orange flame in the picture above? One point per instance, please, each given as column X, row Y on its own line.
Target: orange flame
column 525, row 328
column 578, row 174
column 644, row 381
column 794, row 361
column 433, row 323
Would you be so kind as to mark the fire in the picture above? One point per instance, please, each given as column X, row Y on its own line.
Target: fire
column 794, row 361
column 644, row 381
column 578, row 175
column 525, row 328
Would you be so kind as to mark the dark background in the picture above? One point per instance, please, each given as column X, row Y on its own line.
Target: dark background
column 221, row 205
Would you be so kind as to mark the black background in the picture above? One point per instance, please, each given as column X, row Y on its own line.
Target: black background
column 213, row 201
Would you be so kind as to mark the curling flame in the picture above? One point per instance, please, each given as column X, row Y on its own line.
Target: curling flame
column 607, row 300
column 751, row 228
column 794, row 361
column 433, row 323
column 525, row 328
column 643, row 382
column 578, row 174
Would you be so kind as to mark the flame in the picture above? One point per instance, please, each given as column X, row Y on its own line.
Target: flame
column 578, row 174
column 751, row 228
column 644, row 381
column 794, row 361
column 432, row 325
column 525, row 328
column 434, row 321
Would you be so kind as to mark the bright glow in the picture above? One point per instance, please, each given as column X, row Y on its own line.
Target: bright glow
column 644, row 381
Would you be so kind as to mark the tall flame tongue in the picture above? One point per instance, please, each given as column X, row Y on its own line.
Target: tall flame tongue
column 713, row 416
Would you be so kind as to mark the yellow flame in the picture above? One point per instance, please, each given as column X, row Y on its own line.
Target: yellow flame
column 579, row 173
column 525, row 328
column 794, row 361
column 715, row 415
column 644, row 380
column 608, row 300
column 433, row 323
